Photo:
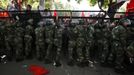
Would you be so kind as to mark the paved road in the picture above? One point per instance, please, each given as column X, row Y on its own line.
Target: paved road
column 20, row 68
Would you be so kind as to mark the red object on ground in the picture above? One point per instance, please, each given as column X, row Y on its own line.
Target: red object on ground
column 38, row 70
column 130, row 7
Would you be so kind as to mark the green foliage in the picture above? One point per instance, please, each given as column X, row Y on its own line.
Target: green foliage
column 48, row 3
column 78, row 1
column 106, row 2
column 93, row 2
column 3, row 4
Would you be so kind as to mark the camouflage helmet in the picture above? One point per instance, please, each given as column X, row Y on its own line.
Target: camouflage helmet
column 81, row 22
column 41, row 23
column 30, row 21
column 118, row 31
column 48, row 23
column 125, row 20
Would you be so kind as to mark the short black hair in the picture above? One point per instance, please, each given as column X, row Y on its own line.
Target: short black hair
column 29, row 6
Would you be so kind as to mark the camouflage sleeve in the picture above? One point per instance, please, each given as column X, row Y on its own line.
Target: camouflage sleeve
column 75, row 30
column 36, row 31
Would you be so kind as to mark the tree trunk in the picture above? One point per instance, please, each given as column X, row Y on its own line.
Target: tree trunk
column 42, row 4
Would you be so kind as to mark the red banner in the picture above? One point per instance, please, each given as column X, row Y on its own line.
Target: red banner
column 130, row 7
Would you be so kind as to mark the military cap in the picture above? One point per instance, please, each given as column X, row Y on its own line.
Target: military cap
column 48, row 23
column 125, row 20
column 40, row 23
column 30, row 21
column 81, row 22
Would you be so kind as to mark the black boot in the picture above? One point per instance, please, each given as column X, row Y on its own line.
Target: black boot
column 119, row 69
column 80, row 63
column 85, row 63
column 71, row 62
column 57, row 63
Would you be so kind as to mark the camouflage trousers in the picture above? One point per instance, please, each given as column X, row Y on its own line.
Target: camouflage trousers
column 18, row 47
column 40, row 49
column 118, row 51
column 58, row 44
column 28, row 44
column 105, row 51
column 49, row 45
column 10, row 48
column 80, row 44
column 71, row 46
column 88, row 47
column 98, row 49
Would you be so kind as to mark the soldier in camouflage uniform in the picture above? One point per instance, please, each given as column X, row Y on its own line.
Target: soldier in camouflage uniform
column 119, row 34
column 28, row 38
column 49, row 32
column 58, row 30
column 81, row 31
column 2, row 40
column 105, row 56
column 40, row 41
column 88, row 32
column 2, row 35
column 72, row 43
column 18, row 41
column 98, row 39
column 9, row 40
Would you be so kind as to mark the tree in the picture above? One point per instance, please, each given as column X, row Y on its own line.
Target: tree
column 93, row 2
column 48, row 3
column 104, row 5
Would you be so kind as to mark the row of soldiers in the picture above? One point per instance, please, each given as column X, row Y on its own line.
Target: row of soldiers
column 85, row 43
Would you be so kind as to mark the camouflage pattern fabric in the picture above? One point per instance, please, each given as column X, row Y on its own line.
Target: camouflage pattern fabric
column 40, row 42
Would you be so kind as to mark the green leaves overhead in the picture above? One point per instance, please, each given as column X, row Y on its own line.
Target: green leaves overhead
column 48, row 3
column 93, row 2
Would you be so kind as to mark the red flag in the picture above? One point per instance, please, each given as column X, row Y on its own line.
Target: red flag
column 55, row 13
column 130, row 7
column 82, row 14
column 38, row 70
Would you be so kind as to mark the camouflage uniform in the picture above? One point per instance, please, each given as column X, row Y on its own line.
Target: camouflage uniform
column 119, row 45
column 80, row 42
column 49, row 32
column 72, row 43
column 105, row 56
column 98, row 39
column 9, row 40
column 18, row 41
column 2, row 37
column 89, row 41
column 58, row 42
column 3, row 51
column 40, row 42
column 28, row 39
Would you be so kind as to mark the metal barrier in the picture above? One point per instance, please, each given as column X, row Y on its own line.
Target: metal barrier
column 34, row 12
